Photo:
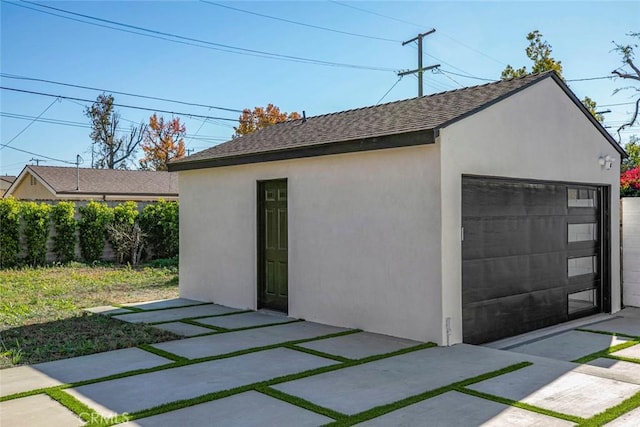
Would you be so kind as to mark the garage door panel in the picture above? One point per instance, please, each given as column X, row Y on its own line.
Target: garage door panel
column 511, row 315
column 512, row 199
column 505, row 236
column 498, row 277
column 530, row 255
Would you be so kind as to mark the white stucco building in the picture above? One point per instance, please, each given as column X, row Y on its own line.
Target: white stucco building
column 464, row 216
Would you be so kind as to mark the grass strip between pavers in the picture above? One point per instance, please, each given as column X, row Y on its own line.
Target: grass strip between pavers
column 162, row 353
column 222, row 330
column 606, row 352
column 172, row 406
column 521, row 405
column 615, row 334
column 612, row 413
column 176, row 364
column 390, row 407
column 196, row 317
column 131, row 309
column 318, row 353
column 300, row 402
column 143, row 310
column 214, row 329
column 73, row 404
column 622, row 358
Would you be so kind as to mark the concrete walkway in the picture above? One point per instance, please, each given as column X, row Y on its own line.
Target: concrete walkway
column 245, row 368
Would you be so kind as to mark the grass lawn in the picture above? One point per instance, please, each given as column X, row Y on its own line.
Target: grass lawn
column 41, row 317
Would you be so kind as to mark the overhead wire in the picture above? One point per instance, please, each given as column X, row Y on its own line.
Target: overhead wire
column 317, row 27
column 37, row 154
column 390, row 89
column 117, row 104
column 190, row 40
column 155, row 98
column 29, row 125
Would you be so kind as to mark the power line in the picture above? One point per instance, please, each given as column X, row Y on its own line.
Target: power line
column 591, row 78
column 390, row 89
column 375, row 13
column 36, row 154
column 450, row 78
column 317, row 27
column 13, row 76
column 118, row 105
column 191, row 41
column 88, row 126
column 29, row 125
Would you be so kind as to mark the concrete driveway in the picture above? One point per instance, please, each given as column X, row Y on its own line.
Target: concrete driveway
column 260, row 369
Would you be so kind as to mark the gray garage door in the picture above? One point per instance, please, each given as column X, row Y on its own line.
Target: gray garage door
column 531, row 255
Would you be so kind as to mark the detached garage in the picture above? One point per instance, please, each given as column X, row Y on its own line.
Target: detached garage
column 464, row 216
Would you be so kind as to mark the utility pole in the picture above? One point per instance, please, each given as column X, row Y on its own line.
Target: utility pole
column 33, row 159
column 419, row 70
column 189, row 151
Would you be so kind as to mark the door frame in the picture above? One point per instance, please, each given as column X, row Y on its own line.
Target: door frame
column 260, row 238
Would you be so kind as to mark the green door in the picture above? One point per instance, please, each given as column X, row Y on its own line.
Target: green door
column 273, row 243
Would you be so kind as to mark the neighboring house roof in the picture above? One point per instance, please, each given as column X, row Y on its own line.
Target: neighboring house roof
column 7, row 179
column 64, row 181
column 366, row 127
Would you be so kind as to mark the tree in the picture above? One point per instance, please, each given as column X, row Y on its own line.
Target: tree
column 628, row 71
column 260, row 118
column 109, row 150
column 163, row 141
column 633, row 150
column 539, row 51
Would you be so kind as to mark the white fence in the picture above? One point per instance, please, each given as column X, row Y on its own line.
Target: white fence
column 631, row 251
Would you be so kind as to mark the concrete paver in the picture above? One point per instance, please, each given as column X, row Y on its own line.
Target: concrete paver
column 26, row 378
column 184, row 329
column 570, row 345
column 163, row 303
column 630, row 419
column 238, row 411
column 358, row 388
column 173, row 314
column 245, row 320
column 107, row 310
column 229, row 342
column 458, row 409
column 632, row 352
column 130, row 394
column 360, row 345
column 622, row 325
column 551, row 386
column 38, row 410
column 623, row 371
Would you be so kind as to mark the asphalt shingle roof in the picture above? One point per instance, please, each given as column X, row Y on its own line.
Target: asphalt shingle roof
column 416, row 114
column 108, row 181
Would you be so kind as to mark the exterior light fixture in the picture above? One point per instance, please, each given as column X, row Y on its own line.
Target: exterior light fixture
column 606, row 161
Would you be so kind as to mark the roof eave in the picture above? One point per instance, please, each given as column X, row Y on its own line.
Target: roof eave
column 407, row 139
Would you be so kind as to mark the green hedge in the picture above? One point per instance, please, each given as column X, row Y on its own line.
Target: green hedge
column 94, row 218
column 9, row 232
column 36, row 219
column 64, row 224
column 160, row 223
column 25, row 228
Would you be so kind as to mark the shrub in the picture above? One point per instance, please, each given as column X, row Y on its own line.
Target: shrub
column 93, row 229
column 36, row 218
column 630, row 183
column 9, row 232
column 64, row 224
column 125, row 235
column 159, row 221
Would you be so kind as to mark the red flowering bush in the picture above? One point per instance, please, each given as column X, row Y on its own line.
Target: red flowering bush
column 630, row 183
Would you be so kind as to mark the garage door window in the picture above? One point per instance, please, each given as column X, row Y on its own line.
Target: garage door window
column 581, row 198
column 583, row 300
column 581, row 265
column 582, row 232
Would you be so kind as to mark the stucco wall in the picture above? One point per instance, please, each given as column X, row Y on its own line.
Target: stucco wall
column 631, row 251
column 536, row 134
column 26, row 191
column 364, row 233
